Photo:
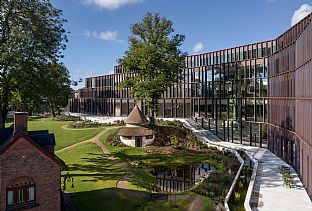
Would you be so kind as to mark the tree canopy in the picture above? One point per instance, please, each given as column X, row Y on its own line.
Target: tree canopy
column 31, row 37
column 51, row 91
column 154, row 57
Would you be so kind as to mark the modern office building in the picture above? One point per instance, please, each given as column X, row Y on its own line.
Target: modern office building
column 258, row 94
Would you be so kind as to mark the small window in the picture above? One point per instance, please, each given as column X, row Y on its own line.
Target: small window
column 20, row 195
column 127, row 137
column 10, row 197
column 149, row 137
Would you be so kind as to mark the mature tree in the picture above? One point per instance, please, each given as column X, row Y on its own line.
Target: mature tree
column 31, row 33
column 154, row 57
column 51, row 90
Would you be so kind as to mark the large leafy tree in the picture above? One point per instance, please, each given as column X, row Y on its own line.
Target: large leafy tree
column 31, row 34
column 50, row 92
column 155, row 59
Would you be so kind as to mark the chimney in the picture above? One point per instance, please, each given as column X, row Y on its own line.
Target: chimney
column 20, row 121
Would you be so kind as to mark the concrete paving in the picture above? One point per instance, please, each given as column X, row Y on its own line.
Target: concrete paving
column 273, row 194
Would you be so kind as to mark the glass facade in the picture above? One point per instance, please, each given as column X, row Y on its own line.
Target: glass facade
column 258, row 94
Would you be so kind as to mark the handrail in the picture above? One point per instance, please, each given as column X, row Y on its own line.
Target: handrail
column 219, row 146
column 227, row 198
column 251, row 184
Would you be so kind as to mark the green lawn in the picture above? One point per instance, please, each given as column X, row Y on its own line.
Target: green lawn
column 90, row 169
column 63, row 137
column 95, row 179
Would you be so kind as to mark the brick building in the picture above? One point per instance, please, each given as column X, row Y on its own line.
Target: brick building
column 29, row 169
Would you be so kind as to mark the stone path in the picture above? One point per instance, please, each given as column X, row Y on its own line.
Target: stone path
column 123, row 182
column 274, row 195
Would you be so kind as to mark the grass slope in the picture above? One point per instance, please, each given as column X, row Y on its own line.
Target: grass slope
column 63, row 137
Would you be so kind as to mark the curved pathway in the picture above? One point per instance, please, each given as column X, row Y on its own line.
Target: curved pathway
column 196, row 204
column 123, row 182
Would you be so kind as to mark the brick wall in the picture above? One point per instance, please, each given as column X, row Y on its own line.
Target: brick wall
column 22, row 159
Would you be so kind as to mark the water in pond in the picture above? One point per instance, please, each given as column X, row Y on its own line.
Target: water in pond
column 182, row 178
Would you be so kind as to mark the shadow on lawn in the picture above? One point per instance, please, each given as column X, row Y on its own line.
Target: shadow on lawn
column 108, row 199
column 97, row 166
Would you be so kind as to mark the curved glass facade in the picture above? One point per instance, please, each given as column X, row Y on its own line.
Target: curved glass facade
column 258, row 94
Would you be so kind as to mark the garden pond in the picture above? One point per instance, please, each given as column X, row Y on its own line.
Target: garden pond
column 181, row 178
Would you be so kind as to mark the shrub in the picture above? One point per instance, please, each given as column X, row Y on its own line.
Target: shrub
column 114, row 140
column 66, row 118
column 216, row 185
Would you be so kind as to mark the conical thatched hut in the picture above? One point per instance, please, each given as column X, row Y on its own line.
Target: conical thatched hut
column 136, row 133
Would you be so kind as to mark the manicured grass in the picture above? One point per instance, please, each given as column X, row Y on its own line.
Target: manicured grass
column 95, row 178
column 63, row 137
column 108, row 199
column 90, row 169
column 162, row 206
column 141, row 180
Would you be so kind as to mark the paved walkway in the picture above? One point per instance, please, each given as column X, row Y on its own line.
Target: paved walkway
column 273, row 194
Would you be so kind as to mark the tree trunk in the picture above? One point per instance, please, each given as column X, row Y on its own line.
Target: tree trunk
column 4, row 113
column 152, row 119
column 153, row 109
column 4, row 107
column 53, row 113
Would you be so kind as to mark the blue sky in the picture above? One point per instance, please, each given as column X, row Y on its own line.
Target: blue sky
column 99, row 29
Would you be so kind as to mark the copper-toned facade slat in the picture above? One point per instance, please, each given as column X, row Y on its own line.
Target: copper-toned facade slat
column 290, row 102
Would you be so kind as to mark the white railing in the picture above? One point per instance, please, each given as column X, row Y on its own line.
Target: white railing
column 228, row 196
column 251, row 185
column 221, row 147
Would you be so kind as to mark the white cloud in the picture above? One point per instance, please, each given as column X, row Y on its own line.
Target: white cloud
column 111, row 4
column 106, row 35
column 300, row 13
column 198, row 47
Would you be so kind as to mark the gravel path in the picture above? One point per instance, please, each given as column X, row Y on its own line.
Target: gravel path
column 123, row 182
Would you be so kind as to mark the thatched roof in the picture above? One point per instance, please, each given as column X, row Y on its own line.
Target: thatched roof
column 135, row 131
column 136, row 117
